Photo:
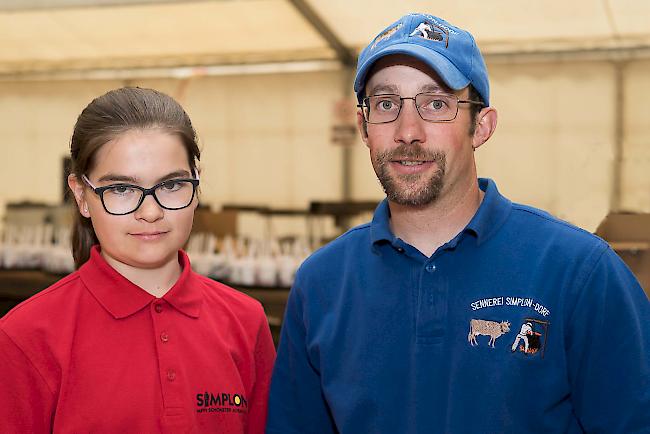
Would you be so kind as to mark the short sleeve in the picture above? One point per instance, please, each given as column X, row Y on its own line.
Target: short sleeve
column 296, row 403
column 264, row 354
column 26, row 402
column 608, row 350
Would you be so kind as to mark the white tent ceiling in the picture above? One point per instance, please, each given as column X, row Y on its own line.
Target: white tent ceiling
column 55, row 36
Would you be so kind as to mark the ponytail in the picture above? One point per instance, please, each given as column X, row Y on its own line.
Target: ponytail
column 83, row 238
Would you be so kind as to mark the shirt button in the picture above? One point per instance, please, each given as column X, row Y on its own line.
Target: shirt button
column 158, row 307
column 164, row 337
column 171, row 375
column 430, row 268
column 400, row 250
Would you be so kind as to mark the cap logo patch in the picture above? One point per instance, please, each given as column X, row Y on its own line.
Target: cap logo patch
column 385, row 35
column 431, row 32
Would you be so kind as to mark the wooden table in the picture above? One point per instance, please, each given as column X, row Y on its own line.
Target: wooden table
column 19, row 285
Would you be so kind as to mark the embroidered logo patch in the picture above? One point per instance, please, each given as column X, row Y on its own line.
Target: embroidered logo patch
column 387, row 34
column 207, row 402
column 492, row 329
column 432, row 32
column 532, row 337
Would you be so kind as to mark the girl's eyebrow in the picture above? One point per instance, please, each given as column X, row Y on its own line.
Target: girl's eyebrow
column 123, row 178
column 115, row 177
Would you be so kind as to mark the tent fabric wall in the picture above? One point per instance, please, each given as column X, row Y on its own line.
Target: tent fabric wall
column 266, row 140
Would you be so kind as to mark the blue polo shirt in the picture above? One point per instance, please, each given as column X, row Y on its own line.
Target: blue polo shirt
column 520, row 324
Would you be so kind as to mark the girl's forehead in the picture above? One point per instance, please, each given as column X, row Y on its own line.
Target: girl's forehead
column 146, row 153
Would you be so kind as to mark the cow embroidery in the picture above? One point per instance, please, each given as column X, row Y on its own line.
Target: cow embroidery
column 492, row 329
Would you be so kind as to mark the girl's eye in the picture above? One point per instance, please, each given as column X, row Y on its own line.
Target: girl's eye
column 121, row 190
column 170, row 185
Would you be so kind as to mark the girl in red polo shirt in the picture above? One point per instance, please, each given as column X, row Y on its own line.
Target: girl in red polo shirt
column 134, row 341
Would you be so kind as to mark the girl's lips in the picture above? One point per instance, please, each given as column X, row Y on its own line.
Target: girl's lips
column 149, row 236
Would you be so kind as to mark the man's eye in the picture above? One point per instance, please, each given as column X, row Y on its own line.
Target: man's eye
column 436, row 105
column 386, row 104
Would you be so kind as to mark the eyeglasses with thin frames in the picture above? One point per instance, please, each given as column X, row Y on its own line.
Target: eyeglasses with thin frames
column 432, row 107
column 122, row 198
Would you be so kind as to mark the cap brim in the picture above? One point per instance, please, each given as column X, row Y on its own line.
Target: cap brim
column 439, row 63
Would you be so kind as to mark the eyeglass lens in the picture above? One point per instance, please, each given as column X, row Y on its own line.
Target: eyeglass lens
column 123, row 199
column 431, row 107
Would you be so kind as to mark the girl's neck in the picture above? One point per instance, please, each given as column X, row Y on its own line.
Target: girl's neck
column 156, row 281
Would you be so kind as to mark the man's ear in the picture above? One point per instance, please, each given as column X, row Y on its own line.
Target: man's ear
column 77, row 187
column 486, row 123
column 362, row 125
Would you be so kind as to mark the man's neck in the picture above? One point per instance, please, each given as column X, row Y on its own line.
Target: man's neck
column 429, row 227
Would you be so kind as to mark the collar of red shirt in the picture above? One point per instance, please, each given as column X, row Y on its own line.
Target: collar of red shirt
column 121, row 297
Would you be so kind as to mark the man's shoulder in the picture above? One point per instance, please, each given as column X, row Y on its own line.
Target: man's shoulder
column 349, row 244
column 545, row 226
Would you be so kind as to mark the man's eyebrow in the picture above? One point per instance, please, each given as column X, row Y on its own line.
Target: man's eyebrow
column 388, row 88
column 113, row 177
column 383, row 88
column 435, row 88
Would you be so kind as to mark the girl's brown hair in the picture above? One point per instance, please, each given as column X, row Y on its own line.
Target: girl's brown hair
column 107, row 117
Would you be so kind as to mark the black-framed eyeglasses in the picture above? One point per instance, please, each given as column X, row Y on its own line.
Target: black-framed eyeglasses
column 432, row 107
column 121, row 199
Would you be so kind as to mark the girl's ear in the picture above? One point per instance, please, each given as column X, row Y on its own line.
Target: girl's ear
column 77, row 187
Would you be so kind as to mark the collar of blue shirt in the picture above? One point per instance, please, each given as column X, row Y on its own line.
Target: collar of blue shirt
column 489, row 217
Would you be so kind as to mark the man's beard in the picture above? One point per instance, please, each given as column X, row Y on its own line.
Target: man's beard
column 405, row 189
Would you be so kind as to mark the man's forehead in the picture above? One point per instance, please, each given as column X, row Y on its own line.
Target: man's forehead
column 412, row 62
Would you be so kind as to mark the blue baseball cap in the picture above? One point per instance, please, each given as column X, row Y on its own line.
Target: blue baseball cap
column 448, row 50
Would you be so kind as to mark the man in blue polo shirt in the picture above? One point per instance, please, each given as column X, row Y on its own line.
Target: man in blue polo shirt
column 455, row 310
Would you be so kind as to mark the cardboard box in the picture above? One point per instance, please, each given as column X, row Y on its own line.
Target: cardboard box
column 220, row 223
column 629, row 236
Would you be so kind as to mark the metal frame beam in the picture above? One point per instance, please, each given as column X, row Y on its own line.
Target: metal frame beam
column 343, row 53
column 35, row 5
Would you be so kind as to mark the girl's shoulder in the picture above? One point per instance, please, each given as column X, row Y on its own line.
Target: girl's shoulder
column 219, row 293
column 47, row 304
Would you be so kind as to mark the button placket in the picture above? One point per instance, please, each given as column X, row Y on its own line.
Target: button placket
column 161, row 315
column 431, row 313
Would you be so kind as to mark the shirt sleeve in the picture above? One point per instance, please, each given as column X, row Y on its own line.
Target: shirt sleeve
column 26, row 401
column 296, row 403
column 264, row 358
column 608, row 350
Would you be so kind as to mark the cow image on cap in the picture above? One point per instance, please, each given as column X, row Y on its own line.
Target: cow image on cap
column 400, row 325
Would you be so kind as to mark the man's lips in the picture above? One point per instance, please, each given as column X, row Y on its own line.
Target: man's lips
column 411, row 166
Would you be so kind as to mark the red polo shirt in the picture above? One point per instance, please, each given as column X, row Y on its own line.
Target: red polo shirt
column 96, row 353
